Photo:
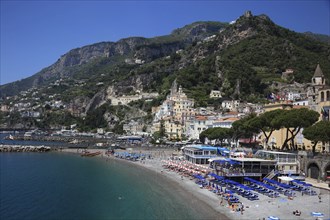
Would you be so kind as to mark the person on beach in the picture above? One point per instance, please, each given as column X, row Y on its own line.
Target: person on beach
column 319, row 197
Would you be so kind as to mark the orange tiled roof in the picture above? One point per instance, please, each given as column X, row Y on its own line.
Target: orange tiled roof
column 200, row 117
column 231, row 113
column 231, row 119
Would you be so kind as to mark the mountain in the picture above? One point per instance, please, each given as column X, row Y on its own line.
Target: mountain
column 241, row 59
column 319, row 37
column 111, row 53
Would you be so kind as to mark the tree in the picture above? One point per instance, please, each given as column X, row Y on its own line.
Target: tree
column 243, row 129
column 320, row 131
column 293, row 121
column 218, row 134
column 162, row 128
column 266, row 123
column 14, row 118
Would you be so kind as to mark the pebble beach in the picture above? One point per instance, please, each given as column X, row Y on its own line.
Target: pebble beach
column 209, row 203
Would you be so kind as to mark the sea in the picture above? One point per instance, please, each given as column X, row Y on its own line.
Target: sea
column 54, row 185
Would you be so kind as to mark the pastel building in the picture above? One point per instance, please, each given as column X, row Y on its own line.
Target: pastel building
column 175, row 111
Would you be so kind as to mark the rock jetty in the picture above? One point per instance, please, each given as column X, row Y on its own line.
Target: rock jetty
column 24, row 148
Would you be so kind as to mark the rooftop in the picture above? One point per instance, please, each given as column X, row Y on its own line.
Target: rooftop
column 276, row 152
column 318, row 71
column 202, row 147
column 244, row 159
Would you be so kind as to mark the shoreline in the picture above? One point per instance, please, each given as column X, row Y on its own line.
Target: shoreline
column 186, row 188
column 209, row 202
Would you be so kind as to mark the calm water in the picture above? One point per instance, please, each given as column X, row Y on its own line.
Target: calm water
column 65, row 186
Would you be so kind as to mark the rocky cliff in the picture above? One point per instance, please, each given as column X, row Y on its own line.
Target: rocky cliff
column 238, row 58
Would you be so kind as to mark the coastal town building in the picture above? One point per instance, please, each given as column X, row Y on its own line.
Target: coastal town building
column 230, row 105
column 215, row 94
column 278, row 136
column 286, row 163
column 318, row 82
column 243, row 167
column 197, row 125
column 125, row 99
column 318, row 97
column 323, row 108
column 224, row 122
column 173, row 129
column 199, row 154
column 301, row 102
column 248, row 108
column 134, row 127
column 175, row 111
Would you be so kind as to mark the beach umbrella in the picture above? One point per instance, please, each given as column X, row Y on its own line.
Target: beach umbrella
column 317, row 214
column 307, row 184
column 273, row 218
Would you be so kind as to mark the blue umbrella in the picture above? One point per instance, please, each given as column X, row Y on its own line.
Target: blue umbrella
column 317, row 214
column 273, row 218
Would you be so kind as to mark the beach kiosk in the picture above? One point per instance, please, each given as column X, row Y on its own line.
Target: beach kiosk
column 243, row 167
column 287, row 164
column 199, row 154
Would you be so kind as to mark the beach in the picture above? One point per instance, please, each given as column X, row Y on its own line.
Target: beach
column 209, row 203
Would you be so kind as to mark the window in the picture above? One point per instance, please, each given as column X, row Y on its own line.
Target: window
column 328, row 96
column 322, row 96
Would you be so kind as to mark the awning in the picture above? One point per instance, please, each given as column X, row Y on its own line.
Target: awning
column 285, row 178
column 215, row 158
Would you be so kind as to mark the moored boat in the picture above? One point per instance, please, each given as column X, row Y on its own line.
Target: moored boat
column 90, row 154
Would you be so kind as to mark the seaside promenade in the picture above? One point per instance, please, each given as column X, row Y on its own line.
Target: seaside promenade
column 281, row 207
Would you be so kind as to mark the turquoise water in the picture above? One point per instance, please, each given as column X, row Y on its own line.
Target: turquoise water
column 65, row 186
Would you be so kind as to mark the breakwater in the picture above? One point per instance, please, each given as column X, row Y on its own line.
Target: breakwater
column 24, row 148
column 57, row 138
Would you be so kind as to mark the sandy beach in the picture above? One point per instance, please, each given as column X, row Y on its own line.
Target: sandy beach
column 209, row 203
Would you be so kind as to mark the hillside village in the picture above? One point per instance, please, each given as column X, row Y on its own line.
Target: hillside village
column 181, row 120
column 177, row 117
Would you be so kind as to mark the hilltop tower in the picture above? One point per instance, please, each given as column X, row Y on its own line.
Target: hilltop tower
column 318, row 82
column 318, row 78
column 174, row 88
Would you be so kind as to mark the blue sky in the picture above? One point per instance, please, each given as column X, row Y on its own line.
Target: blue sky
column 34, row 34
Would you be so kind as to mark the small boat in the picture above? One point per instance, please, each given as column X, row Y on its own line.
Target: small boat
column 89, row 154
column 74, row 141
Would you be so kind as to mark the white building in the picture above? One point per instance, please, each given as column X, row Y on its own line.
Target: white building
column 293, row 96
column 224, row 122
column 215, row 94
column 301, row 102
column 198, row 124
column 230, row 104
